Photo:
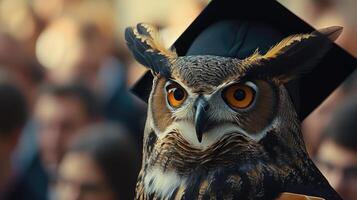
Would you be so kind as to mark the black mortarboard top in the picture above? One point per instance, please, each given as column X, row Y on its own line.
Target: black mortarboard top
column 236, row 28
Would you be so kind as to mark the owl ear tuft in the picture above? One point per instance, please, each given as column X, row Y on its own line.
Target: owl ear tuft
column 147, row 48
column 295, row 54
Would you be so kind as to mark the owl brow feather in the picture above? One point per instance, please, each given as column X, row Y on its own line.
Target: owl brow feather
column 258, row 65
column 294, row 55
column 148, row 49
column 156, row 41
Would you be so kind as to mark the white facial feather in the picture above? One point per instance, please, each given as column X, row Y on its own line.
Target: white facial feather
column 188, row 132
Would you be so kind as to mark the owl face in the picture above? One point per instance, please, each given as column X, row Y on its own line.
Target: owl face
column 204, row 105
column 207, row 113
column 199, row 100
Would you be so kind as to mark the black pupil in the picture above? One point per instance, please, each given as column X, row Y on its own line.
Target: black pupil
column 178, row 94
column 239, row 94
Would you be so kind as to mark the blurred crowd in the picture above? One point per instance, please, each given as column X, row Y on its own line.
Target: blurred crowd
column 69, row 127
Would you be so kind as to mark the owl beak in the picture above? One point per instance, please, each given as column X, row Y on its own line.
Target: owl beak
column 201, row 117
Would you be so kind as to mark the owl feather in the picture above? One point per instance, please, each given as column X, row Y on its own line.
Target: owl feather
column 294, row 55
column 148, row 49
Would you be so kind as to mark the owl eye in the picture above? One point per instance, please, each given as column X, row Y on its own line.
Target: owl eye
column 176, row 95
column 239, row 96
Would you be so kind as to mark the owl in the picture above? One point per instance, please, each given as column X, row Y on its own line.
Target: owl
column 225, row 128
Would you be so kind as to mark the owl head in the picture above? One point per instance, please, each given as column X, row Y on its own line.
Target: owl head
column 203, row 99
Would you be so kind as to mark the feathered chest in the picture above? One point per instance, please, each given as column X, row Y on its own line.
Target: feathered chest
column 174, row 153
column 176, row 170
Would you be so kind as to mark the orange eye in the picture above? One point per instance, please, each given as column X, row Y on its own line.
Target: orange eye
column 239, row 96
column 176, row 95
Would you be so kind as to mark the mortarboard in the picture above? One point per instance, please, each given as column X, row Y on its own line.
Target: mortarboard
column 237, row 28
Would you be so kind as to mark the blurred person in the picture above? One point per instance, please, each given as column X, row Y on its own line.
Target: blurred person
column 16, row 65
column 82, row 44
column 13, row 116
column 59, row 114
column 102, row 164
column 337, row 153
column 316, row 122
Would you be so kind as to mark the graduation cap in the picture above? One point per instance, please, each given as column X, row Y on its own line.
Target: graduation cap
column 237, row 28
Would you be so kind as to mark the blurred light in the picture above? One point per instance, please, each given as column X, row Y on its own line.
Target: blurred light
column 16, row 17
column 58, row 45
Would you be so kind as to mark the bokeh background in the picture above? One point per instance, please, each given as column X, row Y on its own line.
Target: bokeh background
column 68, row 62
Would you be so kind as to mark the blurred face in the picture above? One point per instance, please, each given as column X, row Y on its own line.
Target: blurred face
column 339, row 165
column 80, row 178
column 93, row 51
column 59, row 119
column 316, row 122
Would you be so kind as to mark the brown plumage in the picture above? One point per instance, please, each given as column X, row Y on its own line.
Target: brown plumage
column 223, row 128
